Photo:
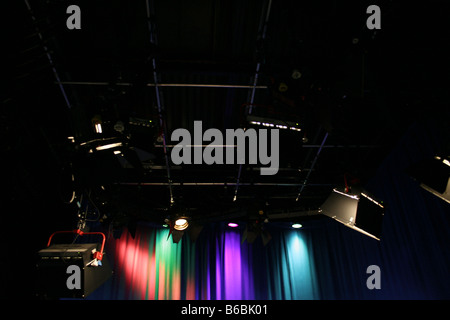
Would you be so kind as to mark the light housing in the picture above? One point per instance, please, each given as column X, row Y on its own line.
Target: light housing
column 178, row 225
column 357, row 210
column 433, row 175
column 53, row 262
column 181, row 224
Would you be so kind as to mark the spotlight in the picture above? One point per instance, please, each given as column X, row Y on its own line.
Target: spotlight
column 177, row 228
column 296, row 226
column 357, row 210
column 181, row 224
column 233, row 225
column 72, row 270
column 433, row 175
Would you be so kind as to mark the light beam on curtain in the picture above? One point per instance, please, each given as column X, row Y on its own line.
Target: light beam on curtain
column 147, row 267
column 292, row 276
column 216, row 267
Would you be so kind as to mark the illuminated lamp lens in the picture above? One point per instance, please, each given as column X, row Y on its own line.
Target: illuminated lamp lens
column 181, row 224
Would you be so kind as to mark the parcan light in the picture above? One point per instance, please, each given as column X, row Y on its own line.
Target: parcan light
column 233, row 225
column 181, row 224
column 296, row 226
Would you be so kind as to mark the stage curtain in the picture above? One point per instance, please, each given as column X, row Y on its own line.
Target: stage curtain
column 215, row 267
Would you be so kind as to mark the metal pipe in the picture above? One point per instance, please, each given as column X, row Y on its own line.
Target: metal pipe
column 293, row 214
column 174, row 85
column 200, row 184
column 153, row 41
column 49, row 57
column 202, row 85
column 312, row 166
column 340, row 146
column 352, row 146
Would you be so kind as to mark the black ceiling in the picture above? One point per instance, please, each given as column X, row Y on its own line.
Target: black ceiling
column 359, row 88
